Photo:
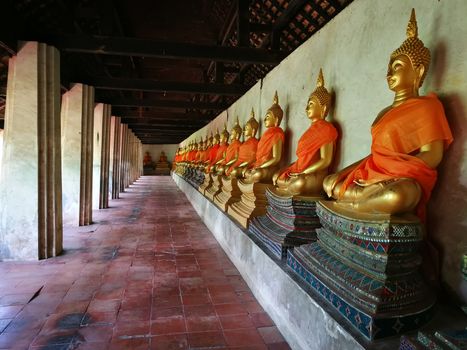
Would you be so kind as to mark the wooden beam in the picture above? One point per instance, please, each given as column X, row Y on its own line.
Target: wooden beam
column 151, row 102
column 104, row 45
column 166, row 86
column 149, row 115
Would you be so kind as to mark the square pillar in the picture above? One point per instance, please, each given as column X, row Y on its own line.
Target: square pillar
column 31, row 184
column 77, row 131
column 115, row 126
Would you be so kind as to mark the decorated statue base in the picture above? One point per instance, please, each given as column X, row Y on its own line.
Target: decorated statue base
column 252, row 202
column 206, row 184
column 162, row 168
column 198, row 177
column 449, row 339
column 367, row 267
column 215, row 187
column 229, row 194
column 290, row 221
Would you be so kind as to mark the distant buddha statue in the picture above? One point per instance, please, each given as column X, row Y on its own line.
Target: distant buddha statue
column 211, row 160
column 408, row 141
column 231, row 154
column 269, row 151
column 147, row 160
column 247, row 150
column 162, row 158
column 314, row 151
column 223, row 145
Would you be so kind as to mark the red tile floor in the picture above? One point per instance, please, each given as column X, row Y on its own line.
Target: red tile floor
column 147, row 275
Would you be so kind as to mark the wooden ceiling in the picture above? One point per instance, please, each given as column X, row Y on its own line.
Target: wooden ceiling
column 166, row 67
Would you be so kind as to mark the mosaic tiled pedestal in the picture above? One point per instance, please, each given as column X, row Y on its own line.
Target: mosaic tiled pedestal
column 368, row 269
column 206, row 183
column 442, row 340
column 252, row 202
column 198, row 178
column 215, row 188
column 290, row 221
column 230, row 193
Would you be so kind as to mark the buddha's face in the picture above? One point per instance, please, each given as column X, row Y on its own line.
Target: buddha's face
column 233, row 135
column 248, row 130
column 270, row 120
column 313, row 109
column 223, row 139
column 215, row 141
column 401, row 74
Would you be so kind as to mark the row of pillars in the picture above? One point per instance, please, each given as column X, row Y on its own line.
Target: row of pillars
column 61, row 158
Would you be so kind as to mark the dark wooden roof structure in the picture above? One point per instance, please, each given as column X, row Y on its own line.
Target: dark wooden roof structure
column 166, row 67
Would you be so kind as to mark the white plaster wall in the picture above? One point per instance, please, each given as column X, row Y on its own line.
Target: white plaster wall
column 1, row 152
column 155, row 151
column 353, row 50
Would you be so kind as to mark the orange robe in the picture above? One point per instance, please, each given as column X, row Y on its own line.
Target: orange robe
column 246, row 153
column 318, row 134
column 266, row 143
column 231, row 151
column 212, row 154
column 220, row 153
column 399, row 134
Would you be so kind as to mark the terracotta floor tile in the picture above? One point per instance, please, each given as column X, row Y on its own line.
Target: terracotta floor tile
column 196, row 299
column 170, row 342
column 166, row 312
column 206, row 339
column 200, row 310
column 261, row 319
column 168, row 325
column 243, row 337
column 236, row 322
column 230, row 309
column 202, row 323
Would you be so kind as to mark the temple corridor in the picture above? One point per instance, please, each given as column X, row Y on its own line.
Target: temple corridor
column 147, row 274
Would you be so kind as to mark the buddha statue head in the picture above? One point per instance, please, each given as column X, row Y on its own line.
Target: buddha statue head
column 409, row 63
column 319, row 101
column 236, row 131
column 210, row 140
column 216, row 139
column 251, row 126
column 224, row 136
column 274, row 113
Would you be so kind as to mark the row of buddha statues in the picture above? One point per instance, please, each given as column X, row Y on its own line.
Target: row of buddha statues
column 370, row 204
column 397, row 177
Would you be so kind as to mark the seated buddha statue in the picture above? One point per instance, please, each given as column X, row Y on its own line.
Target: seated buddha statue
column 210, row 161
column 147, row 160
column 162, row 157
column 409, row 138
column 269, row 151
column 314, row 151
column 231, row 154
column 220, row 155
column 247, row 150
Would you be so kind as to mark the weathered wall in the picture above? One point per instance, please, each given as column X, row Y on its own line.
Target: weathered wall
column 1, row 149
column 155, row 151
column 353, row 50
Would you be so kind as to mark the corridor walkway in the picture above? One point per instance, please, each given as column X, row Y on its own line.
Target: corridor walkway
column 147, row 275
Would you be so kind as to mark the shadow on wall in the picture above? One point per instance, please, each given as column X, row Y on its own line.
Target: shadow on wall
column 446, row 222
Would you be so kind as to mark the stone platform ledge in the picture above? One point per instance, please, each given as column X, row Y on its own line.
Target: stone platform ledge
column 305, row 321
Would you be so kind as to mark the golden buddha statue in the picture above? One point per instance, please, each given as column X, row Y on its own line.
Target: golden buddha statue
column 269, row 151
column 258, row 178
column 408, row 141
column 162, row 157
column 314, row 151
column 247, row 150
column 223, row 145
column 231, row 154
column 147, row 160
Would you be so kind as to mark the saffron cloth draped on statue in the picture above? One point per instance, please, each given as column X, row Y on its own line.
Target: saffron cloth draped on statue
column 219, row 154
column 246, row 153
column 318, row 134
column 396, row 137
column 231, row 151
column 266, row 143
